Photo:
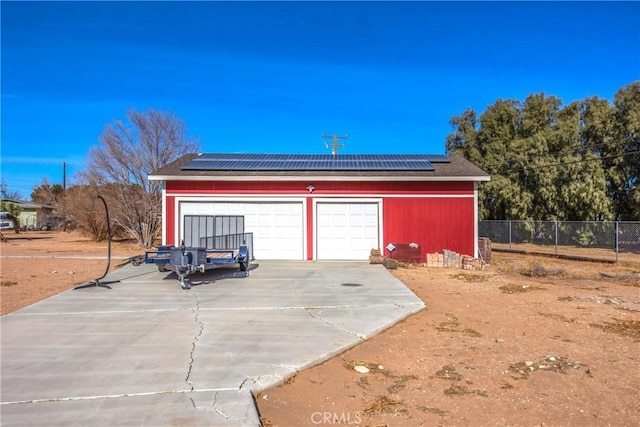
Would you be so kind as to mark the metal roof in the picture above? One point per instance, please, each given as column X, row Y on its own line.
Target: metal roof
column 314, row 162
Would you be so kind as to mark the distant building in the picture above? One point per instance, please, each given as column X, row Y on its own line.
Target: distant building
column 32, row 216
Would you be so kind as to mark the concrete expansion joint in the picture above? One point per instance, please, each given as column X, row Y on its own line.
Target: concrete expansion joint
column 98, row 397
column 308, row 310
column 196, row 315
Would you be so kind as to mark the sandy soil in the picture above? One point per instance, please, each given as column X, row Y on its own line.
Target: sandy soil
column 37, row 264
column 528, row 341
column 570, row 251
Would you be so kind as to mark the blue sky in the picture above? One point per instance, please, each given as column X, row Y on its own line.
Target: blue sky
column 271, row 77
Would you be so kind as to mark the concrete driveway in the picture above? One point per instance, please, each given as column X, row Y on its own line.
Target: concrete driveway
column 149, row 353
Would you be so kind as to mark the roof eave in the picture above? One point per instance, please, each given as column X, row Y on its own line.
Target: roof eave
column 316, row 178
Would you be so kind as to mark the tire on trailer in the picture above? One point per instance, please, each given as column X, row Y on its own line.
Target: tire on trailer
column 161, row 268
column 243, row 266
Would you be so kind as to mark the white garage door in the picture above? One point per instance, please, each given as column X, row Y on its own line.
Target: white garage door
column 277, row 227
column 346, row 231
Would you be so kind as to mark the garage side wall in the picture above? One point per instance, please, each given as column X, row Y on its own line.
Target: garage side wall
column 434, row 223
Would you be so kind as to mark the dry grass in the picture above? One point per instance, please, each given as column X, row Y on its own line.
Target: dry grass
column 628, row 279
column 400, row 382
column 372, row 366
column 8, row 283
column 452, row 324
column 559, row 317
column 626, row 328
column 513, row 288
column 536, row 269
column 471, row 277
column 448, row 372
column 462, row 390
column 384, row 404
column 436, row 411
column 558, row 364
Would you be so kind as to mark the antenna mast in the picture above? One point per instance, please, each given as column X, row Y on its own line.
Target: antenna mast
column 334, row 146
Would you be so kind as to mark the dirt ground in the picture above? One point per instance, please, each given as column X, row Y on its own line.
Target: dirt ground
column 527, row 341
column 33, row 267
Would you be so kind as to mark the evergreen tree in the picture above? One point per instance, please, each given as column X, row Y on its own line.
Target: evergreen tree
column 578, row 162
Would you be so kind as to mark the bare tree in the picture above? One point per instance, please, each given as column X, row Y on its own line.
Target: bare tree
column 86, row 210
column 5, row 193
column 47, row 194
column 128, row 153
column 52, row 199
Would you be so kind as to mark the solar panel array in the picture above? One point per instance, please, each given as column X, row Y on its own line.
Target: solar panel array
column 315, row 162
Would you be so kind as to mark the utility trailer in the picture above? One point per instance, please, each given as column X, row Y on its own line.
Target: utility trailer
column 208, row 244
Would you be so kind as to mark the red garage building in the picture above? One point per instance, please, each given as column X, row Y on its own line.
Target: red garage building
column 328, row 207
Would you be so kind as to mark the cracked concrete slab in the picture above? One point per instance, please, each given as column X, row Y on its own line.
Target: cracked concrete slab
column 149, row 353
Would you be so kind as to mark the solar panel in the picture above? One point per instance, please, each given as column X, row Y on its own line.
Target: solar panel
column 314, row 162
column 437, row 158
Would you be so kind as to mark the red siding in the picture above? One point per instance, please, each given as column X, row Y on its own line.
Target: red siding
column 170, row 218
column 321, row 188
column 309, row 230
column 433, row 223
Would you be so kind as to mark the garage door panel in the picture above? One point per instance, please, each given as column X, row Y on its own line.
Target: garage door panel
column 277, row 227
column 346, row 231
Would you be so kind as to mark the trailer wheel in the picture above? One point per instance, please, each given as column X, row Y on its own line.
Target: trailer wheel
column 161, row 268
column 243, row 266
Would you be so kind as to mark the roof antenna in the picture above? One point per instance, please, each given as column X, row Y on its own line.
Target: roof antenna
column 334, row 146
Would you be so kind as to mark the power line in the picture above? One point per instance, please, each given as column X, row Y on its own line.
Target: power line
column 557, row 153
column 575, row 161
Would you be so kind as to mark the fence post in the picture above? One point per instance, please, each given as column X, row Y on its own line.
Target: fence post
column 509, row 234
column 617, row 234
column 556, row 226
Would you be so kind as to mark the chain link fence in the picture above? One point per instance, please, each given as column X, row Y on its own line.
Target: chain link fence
column 599, row 240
